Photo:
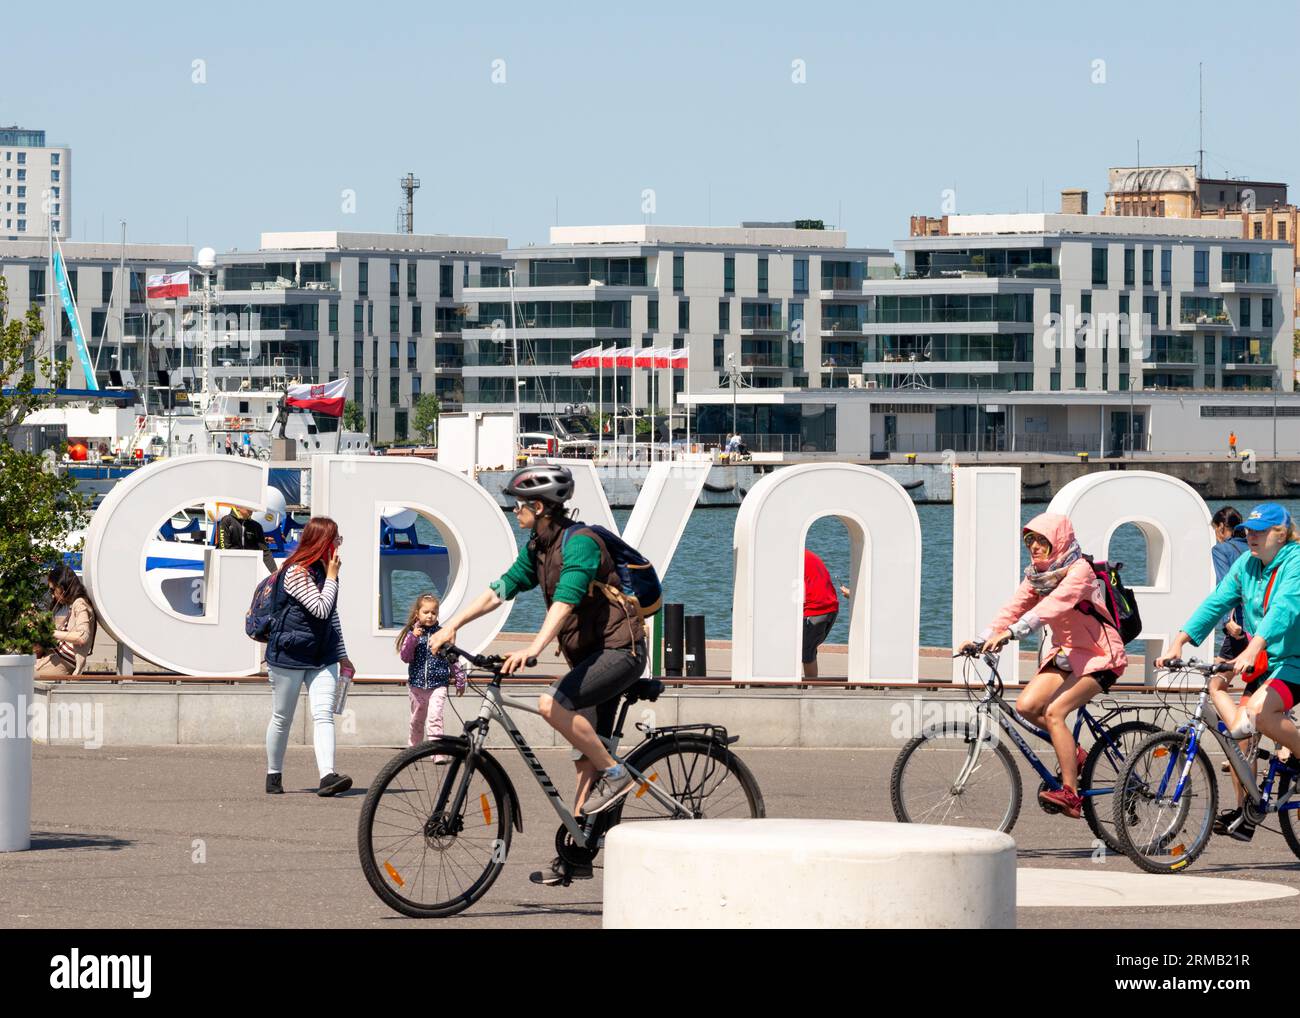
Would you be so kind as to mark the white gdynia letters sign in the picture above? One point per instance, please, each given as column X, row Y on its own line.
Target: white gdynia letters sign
column 881, row 520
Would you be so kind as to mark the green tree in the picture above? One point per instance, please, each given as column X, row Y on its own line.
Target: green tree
column 39, row 506
column 353, row 419
column 427, row 409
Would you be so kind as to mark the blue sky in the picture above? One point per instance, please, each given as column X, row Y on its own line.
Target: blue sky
column 693, row 100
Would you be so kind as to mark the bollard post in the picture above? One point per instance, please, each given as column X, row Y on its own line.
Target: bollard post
column 17, row 675
column 674, row 635
column 696, row 663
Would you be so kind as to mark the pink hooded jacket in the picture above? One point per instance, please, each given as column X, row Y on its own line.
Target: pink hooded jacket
column 1090, row 644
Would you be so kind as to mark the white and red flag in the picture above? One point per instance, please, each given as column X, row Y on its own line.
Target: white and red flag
column 681, row 359
column 326, row 399
column 624, row 357
column 172, row 284
column 589, row 358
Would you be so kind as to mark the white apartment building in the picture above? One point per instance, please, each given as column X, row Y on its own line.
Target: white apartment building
column 769, row 299
column 35, row 185
column 383, row 309
column 108, row 287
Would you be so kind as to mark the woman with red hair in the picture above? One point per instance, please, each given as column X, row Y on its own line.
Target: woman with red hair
column 305, row 647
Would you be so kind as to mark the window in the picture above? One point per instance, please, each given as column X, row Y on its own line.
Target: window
column 729, row 274
column 359, row 353
column 417, row 319
column 446, row 276
column 410, row 280
column 1148, row 266
column 363, row 278
column 717, row 354
column 393, row 288
column 22, row 174
column 54, row 174
column 1243, row 313
column 762, row 274
column 370, row 317
column 394, row 355
column 1150, row 309
column 683, row 315
column 394, row 390
column 1201, row 274
column 724, row 315
column 358, row 322
column 1123, row 303
column 410, row 355
column 1099, row 256
column 1129, row 273
column 1281, row 231
column 1054, row 302
column 801, row 275
column 1266, row 312
column 22, row 224
column 54, row 158
column 393, row 311
column 652, row 315
column 1209, row 351
column 417, row 386
column 22, row 208
column 22, row 158
column 1258, row 226
column 794, row 317
column 105, row 289
column 334, row 317
column 679, row 273
column 1166, row 267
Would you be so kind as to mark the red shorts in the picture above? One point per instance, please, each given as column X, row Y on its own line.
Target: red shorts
column 1288, row 691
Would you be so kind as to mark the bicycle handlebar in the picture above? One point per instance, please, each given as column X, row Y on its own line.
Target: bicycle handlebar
column 490, row 662
column 1192, row 665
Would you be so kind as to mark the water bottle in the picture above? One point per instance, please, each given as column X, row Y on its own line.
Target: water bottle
column 341, row 689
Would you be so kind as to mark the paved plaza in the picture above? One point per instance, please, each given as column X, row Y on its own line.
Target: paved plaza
column 185, row 837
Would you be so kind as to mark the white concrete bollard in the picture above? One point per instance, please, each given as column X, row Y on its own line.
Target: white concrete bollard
column 17, row 673
column 764, row 874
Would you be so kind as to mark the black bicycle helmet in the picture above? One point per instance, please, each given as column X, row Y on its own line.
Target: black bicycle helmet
column 542, row 483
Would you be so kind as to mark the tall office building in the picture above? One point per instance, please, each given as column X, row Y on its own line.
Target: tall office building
column 35, row 185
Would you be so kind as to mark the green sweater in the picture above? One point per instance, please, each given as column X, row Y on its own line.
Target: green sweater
column 1244, row 585
column 581, row 561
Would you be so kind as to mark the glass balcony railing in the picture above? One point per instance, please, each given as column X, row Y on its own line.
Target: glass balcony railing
column 762, row 360
column 1260, row 277
column 762, row 323
column 1201, row 316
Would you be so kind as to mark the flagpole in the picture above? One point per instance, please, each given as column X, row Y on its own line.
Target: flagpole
column 600, row 405
column 688, row 400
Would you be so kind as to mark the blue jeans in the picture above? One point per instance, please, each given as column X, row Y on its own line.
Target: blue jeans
column 285, row 685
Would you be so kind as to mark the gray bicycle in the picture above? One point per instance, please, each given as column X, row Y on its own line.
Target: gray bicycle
column 436, row 824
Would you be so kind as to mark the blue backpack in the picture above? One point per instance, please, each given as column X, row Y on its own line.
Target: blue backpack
column 260, row 616
column 638, row 577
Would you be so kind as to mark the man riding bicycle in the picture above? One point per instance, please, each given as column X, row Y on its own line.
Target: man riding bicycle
column 599, row 630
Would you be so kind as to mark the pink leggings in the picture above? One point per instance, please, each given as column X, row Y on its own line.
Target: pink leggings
column 426, row 713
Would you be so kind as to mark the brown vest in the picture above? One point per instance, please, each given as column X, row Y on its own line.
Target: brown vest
column 603, row 619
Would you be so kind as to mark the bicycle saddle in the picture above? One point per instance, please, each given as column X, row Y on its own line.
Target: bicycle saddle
column 644, row 689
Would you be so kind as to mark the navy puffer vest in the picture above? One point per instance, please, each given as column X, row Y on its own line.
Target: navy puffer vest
column 298, row 639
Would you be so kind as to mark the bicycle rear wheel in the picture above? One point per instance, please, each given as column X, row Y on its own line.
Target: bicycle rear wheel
column 702, row 775
column 1100, row 773
column 420, row 856
column 1159, row 833
column 924, row 786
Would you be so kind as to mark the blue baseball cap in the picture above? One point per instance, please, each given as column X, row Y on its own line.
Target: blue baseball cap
column 1268, row 514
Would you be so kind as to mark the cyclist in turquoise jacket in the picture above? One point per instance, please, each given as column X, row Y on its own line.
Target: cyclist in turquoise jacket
column 1266, row 584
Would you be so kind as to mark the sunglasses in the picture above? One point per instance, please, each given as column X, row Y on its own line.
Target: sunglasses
column 520, row 507
column 1032, row 539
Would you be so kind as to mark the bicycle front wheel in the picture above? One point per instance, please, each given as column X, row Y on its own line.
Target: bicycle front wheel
column 702, row 776
column 1101, row 772
column 423, row 856
column 1164, row 804
column 938, row 779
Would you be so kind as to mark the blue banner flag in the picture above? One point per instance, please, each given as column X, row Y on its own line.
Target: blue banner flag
column 70, row 309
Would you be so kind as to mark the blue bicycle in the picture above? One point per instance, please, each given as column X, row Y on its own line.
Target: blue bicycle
column 1165, row 810
column 961, row 773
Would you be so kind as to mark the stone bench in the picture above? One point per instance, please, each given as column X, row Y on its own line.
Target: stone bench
column 774, row 873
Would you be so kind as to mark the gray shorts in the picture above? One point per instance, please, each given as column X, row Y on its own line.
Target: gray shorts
column 597, row 681
column 815, row 630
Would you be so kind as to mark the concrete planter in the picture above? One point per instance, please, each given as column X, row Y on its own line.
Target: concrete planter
column 17, row 672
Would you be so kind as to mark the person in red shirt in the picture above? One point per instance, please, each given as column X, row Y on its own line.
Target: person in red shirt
column 820, row 606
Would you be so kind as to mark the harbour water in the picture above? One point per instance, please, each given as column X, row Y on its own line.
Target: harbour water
column 700, row 576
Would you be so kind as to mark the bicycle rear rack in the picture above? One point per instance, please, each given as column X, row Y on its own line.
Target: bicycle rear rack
column 715, row 733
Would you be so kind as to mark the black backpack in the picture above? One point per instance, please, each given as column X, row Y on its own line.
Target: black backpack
column 1123, row 614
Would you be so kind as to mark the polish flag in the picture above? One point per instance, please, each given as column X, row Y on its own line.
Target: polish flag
column 644, row 358
column 175, row 284
column 663, row 357
column 327, row 399
column 608, row 357
column 624, row 358
column 681, row 358
column 589, row 358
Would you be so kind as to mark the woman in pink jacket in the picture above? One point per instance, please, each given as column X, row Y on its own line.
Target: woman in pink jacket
column 1086, row 655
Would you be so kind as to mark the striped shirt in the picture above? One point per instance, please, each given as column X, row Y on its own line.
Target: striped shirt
column 319, row 601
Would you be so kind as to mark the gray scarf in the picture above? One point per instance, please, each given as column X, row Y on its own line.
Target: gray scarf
column 1046, row 581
